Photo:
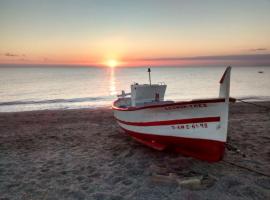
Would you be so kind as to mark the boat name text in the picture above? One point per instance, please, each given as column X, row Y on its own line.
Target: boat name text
column 201, row 105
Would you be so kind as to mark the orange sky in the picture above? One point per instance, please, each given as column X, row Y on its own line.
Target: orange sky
column 134, row 33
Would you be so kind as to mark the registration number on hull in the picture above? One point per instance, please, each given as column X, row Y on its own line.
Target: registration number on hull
column 190, row 126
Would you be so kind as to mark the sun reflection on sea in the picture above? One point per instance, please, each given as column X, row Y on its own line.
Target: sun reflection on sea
column 112, row 82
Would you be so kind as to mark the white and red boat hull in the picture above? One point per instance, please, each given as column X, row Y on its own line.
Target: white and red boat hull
column 195, row 128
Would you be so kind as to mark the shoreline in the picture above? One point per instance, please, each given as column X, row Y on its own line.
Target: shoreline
column 60, row 110
column 83, row 154
column 108, row 106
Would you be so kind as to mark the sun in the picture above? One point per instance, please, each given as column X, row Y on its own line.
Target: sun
column 112, row 63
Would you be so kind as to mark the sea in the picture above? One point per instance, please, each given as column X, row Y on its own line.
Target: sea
column 47, row 88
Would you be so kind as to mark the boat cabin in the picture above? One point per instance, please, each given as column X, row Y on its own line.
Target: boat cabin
column 146, row 93
column 142, row 94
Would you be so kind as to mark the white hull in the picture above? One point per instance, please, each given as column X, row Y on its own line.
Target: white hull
column 201, row 120
column 196, row 128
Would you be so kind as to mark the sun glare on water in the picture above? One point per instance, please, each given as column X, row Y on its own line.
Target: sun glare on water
column 112, row 63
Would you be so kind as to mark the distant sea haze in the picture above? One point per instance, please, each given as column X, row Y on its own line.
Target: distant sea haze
column 30, row 88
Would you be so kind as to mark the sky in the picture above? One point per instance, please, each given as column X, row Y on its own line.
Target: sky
column 135, row 33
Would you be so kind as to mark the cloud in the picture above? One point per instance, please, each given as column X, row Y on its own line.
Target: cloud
column 11, row 55
column 216, row 60
column 219, row 57
column 258, row 49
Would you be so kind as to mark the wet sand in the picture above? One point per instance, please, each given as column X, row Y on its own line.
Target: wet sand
column 83, row 154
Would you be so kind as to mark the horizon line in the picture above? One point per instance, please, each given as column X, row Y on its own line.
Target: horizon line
column 212, row 60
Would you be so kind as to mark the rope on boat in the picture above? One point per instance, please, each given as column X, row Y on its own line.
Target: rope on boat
column 254, row 104
column 246, row 168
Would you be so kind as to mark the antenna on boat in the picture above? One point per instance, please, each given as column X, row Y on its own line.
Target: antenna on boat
column 149, row 71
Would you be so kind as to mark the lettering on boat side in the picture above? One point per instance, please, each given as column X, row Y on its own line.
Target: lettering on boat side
column 200, row 105
column 190, row 126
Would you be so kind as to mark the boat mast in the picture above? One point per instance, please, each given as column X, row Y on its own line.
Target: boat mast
column 149, row 71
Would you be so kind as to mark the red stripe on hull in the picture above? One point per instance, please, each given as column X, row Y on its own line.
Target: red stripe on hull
column 202, row 149
column 172, row 122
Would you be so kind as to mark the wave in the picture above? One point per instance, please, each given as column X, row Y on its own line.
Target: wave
column 51, row 101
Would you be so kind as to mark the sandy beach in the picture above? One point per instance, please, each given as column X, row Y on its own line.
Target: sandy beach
column 83, row 154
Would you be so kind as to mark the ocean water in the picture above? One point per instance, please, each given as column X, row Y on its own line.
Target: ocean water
column 39, row 88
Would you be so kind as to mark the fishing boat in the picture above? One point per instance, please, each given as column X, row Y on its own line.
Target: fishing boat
column 196, row 128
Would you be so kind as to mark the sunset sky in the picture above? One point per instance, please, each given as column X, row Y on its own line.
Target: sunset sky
column 135, row 33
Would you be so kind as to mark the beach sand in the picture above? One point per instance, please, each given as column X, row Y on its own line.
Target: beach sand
column 83, row 154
